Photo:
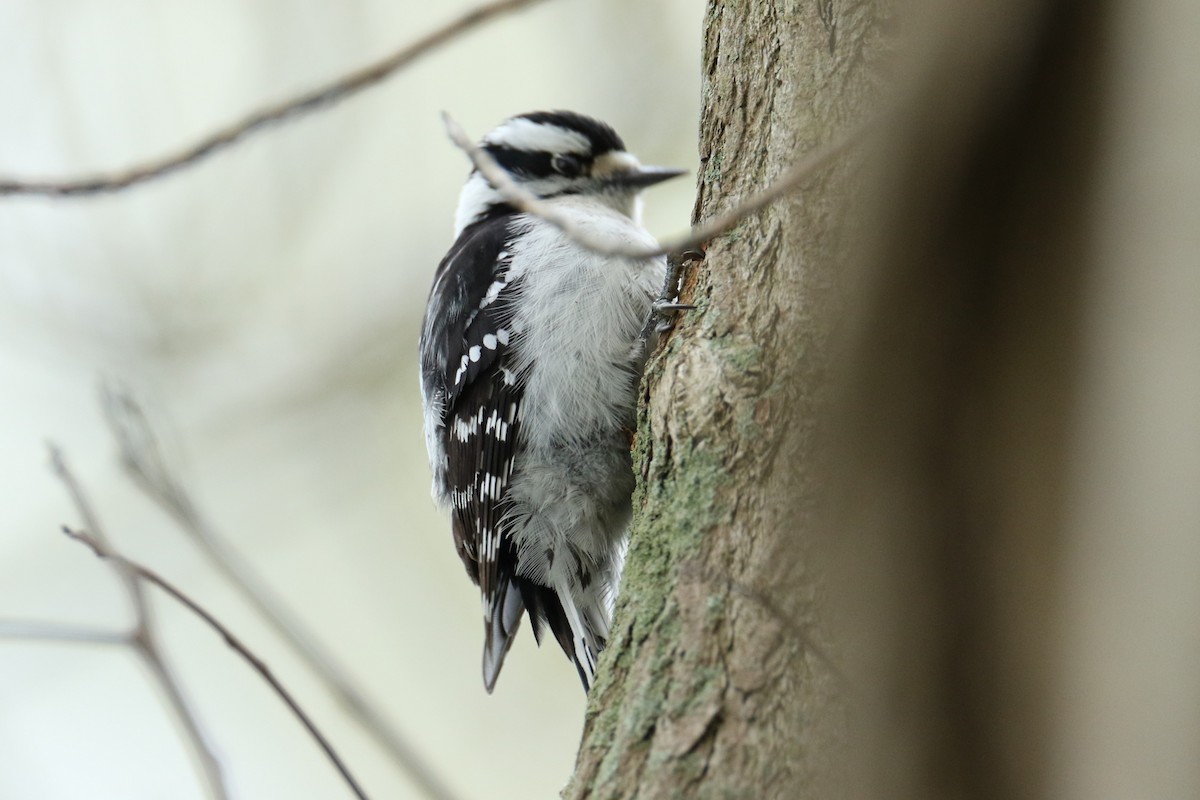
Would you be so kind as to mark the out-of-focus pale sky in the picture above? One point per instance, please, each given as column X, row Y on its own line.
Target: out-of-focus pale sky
column 265, row 307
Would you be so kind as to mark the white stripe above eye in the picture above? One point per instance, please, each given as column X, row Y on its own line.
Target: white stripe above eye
column 522, row 134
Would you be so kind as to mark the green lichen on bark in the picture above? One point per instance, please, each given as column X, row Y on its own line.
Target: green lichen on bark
column 670, row 525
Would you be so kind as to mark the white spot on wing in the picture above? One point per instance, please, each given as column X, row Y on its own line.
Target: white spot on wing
column 491, row 486
column 492, row 293
column 464, row 429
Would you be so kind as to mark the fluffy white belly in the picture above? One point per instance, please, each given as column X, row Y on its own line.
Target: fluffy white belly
column 578, row 328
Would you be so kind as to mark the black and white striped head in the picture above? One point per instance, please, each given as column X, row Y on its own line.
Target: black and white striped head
column 556, row 153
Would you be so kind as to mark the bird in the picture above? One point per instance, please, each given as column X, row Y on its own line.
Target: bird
column 532, row 349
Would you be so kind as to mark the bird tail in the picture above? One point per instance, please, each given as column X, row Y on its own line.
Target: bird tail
column 500, row 622
column 579, row 624
column 588, row 634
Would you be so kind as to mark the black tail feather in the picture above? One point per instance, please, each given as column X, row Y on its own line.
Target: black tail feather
column 545, row 608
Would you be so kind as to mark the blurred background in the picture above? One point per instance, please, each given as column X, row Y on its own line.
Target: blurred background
column 264, row 306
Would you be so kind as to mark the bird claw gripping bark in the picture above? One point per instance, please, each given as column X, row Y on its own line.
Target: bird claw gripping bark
column 667, row 307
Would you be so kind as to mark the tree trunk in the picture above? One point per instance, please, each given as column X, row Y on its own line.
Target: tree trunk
column 1015, row 469
column 713, row 681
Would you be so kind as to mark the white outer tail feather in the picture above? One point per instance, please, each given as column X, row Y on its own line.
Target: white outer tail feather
column 586, row 635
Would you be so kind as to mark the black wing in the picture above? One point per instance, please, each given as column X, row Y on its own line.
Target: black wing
column 473, row 403
column 465, row 305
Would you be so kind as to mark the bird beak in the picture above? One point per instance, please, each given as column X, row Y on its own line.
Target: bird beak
column 642, row 177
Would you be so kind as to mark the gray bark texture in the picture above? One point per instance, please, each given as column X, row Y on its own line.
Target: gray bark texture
column 712, row 684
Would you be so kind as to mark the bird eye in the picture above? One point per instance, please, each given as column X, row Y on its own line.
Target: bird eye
column 568, row 165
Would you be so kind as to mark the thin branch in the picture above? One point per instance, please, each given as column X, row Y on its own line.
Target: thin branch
column 144, row 461
column 143, row 640
column 700, row 235
column 312, row 100
column 19, row 629
column 140, row 572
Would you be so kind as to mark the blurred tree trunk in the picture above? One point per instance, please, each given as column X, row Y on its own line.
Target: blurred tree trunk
column 711, row 684
column 1022, row 428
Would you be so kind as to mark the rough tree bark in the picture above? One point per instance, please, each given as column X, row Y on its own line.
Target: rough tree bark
column 713, row 681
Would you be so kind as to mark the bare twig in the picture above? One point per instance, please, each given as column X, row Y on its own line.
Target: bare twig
column 788, row 182
column 138, row 572
column 321, row 97
column 143, row 640
column 143, row 459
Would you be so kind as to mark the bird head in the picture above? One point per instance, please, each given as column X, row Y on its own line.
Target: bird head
column 555, row 154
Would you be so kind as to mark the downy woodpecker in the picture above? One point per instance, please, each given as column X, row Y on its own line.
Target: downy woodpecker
column 531, row 353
